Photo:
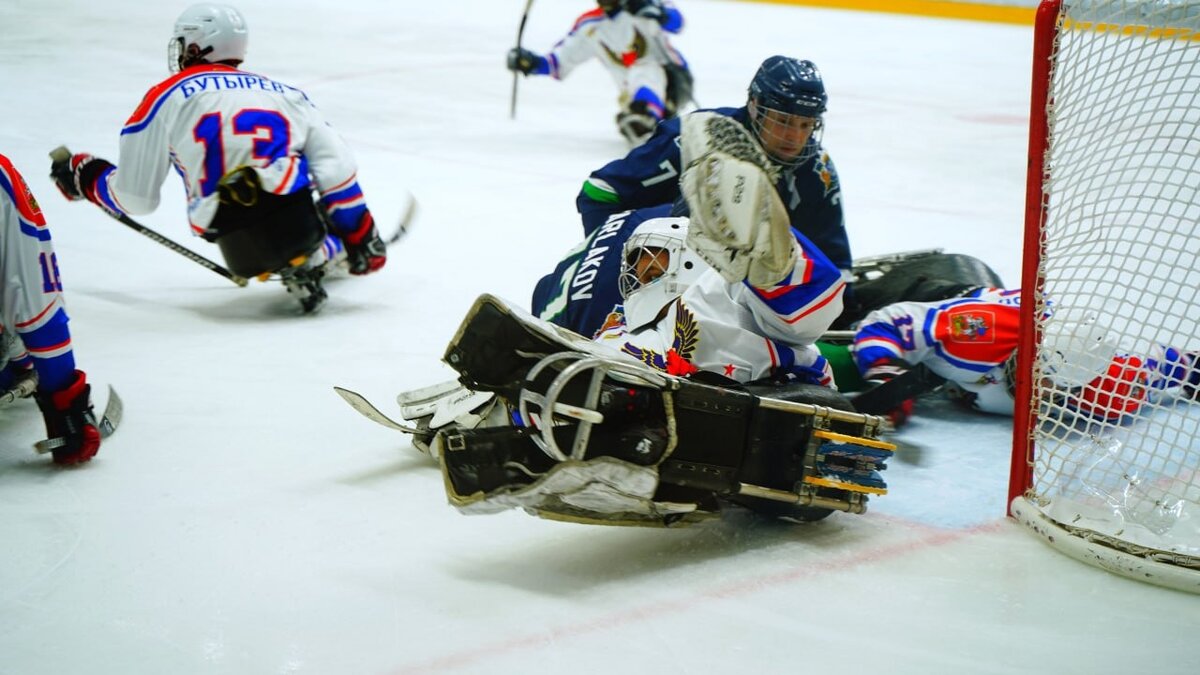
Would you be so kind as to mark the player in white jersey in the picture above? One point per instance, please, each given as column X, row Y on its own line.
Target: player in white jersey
column 969, row 344
column 629, row 38
column 250, row 151
column 681, row 316
column 35, row 343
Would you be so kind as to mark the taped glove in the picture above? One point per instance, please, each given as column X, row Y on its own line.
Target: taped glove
column 70, row 422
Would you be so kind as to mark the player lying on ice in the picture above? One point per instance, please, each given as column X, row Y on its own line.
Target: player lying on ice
column 967, row 346
column 704, row 389
column 782, row 120
column 251, row 151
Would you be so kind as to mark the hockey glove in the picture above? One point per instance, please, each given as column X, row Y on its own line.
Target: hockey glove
column 70, row 422
column 738, row 223
column 365, row 251
column 523, row 61
column 648, row 9
column 76, row 178
column 883, row 371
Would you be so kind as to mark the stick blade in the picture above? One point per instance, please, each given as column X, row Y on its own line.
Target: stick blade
column 369, row 411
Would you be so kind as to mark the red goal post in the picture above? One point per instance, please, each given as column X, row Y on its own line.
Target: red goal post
column 1106, row 442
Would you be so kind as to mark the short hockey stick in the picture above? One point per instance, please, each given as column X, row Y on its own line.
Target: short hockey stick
column 512, row 110
column 61, row 156
column 406, row 222
column 107, row 424
column 369, row 411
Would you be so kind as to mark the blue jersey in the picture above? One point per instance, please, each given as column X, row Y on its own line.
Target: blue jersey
column 649, row 176
column 582, row 290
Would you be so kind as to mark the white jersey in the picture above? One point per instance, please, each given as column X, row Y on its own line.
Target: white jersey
column 740, row 331
column 31, row 301
column 211, row 119
column 30, row 293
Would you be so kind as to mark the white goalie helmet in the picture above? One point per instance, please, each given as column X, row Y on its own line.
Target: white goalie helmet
column 207, row 33
column 656, row 268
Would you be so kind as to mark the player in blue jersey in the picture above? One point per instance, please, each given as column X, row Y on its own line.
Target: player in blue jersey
column 785, row 113
column 629, row 38
column 583, row 290
column 35, row 343
column 251, row 152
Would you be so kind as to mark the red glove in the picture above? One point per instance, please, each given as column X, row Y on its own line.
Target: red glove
column 70, row 422
column 76, row 178
column 365, row 251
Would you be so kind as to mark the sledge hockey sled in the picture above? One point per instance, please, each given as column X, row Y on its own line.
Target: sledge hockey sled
column 261, row 234
column 603, row 439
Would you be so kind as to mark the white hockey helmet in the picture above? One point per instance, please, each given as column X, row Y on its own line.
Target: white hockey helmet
column 656, row 268
column 207, row 32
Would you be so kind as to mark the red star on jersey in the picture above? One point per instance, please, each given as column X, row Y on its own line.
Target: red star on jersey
column 729, row 368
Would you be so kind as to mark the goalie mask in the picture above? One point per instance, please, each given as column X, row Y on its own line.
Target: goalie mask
column 786, row 103
column 656, row 268
column 207, row 33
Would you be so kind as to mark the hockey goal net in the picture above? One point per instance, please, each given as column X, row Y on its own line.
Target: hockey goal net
column 1106, row 451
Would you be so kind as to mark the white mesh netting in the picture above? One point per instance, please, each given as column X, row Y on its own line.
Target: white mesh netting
column 1117, row 448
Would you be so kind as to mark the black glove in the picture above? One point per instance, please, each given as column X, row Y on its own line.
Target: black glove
column 883, row 371
column 76, row 177
column 523, row 61
column 70, row 422
column 649, row 9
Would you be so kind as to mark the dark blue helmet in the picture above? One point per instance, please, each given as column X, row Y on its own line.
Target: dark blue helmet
column 789, row 85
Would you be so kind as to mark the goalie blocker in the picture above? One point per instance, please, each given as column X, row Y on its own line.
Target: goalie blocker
column 600, row 439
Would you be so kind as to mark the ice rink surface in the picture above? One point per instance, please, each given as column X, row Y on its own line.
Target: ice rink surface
column 245, row 520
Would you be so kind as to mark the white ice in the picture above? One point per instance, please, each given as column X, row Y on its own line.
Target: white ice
column 245, row 520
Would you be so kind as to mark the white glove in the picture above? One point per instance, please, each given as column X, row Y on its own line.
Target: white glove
column 738, row 223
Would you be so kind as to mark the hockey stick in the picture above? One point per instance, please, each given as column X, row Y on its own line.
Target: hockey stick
column 369, row 411
column 406, row 222
column 107, row 424
column 891, row 394
column 61, row 156
column 512, row 110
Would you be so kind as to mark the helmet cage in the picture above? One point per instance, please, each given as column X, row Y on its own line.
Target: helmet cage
column 787, row 89
column 771, row 139
column 647, row 287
